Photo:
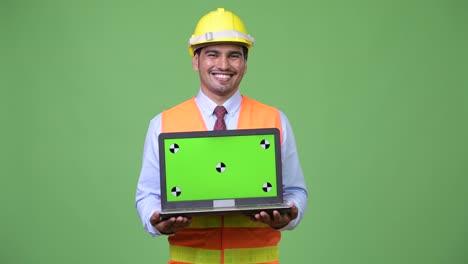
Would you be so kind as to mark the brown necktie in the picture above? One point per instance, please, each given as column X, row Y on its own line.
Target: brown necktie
column 220, row 112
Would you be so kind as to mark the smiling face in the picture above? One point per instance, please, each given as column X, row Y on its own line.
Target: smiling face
column 221, row 68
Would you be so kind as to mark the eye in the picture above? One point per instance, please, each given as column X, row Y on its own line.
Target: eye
column 212, row 55
column 235, row 56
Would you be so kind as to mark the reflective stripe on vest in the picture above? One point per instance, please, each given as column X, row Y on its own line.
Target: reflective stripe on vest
column 230, row 238
column 266, row 255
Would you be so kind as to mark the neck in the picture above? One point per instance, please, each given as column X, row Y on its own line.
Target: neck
column 219, row 99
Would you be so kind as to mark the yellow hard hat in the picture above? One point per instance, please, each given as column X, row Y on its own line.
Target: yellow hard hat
column 219, row 26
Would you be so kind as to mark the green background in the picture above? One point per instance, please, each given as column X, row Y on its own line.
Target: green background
column 193, row 168
column 376, row 92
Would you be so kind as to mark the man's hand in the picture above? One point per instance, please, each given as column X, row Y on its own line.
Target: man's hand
column 277, row 220
column 170, row 225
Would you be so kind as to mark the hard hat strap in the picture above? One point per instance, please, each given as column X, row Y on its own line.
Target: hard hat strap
column 209, row 36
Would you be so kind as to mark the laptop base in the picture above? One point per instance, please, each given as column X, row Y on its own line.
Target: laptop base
column 247, row 210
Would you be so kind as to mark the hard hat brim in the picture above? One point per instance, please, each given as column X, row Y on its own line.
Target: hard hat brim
column 203, row 45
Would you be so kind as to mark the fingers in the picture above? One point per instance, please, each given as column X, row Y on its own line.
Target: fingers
column 267, row 218
column 175, row 224
column 155, row 218
column 294, row 212
column 276, row 219
column 170, row 225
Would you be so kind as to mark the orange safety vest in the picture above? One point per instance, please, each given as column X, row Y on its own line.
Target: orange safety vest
column 230, row 238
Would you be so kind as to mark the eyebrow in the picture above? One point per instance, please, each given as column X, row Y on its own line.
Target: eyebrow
column 211, row 50
column 235, row 52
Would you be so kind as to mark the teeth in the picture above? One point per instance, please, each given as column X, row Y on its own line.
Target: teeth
column 222, row 76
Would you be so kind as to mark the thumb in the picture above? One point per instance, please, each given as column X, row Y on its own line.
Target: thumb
column 155, row 219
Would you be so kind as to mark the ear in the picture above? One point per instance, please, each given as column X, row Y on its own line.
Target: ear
column 195, row 62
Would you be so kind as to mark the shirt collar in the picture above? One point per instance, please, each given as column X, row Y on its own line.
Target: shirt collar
column 207, row 106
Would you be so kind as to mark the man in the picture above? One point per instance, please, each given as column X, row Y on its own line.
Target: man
column 220, row 46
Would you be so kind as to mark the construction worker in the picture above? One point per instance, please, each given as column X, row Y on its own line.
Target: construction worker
column 219, row 48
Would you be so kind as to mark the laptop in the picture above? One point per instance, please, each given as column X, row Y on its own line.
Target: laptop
column 221, row 172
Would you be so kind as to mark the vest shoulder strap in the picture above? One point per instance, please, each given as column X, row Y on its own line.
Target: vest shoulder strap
column 254, row 114
column 183, row 117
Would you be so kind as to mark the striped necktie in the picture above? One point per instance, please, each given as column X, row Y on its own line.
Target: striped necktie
column 220, row 112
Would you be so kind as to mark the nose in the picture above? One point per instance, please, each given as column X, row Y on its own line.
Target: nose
column 223, row 62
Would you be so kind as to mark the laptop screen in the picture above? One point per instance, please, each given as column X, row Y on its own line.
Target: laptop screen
column 219, row 165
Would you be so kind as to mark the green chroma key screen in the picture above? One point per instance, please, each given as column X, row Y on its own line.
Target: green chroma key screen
column 224, row 167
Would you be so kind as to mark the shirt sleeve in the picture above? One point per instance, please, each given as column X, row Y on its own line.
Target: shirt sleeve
column 294, row 187
column 148, row 194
